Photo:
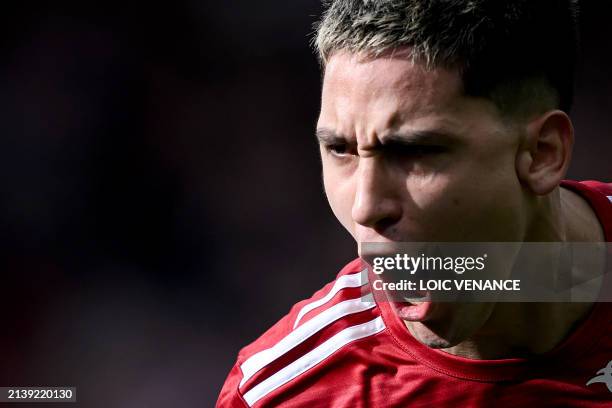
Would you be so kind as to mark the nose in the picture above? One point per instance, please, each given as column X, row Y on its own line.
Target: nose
column 376, row 204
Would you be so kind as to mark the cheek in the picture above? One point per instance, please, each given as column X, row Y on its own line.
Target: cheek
column 484, row 201
column 466, row 203
column 428, row 191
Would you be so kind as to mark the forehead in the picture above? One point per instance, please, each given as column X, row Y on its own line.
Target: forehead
column 370, row 96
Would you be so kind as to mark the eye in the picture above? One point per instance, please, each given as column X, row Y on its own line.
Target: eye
column 410, row 150
column 339, row 149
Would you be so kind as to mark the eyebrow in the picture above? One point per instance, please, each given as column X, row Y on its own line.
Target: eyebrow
column 329, row 137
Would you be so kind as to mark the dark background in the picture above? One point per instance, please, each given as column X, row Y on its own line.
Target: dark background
column 161, row 199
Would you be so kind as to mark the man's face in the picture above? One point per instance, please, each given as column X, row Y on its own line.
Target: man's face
column 408, row 158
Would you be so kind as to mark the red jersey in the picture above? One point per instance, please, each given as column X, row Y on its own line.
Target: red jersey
column 335, row 350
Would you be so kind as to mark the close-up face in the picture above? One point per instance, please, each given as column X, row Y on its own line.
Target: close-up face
column 408, row 158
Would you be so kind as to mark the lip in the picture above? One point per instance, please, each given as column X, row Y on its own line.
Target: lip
column 414, row 311
column 371, row 249
column 416, row 296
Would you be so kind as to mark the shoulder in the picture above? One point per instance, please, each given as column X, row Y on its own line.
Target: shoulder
column 591, row 187
column 338, row 314
column 599, row 196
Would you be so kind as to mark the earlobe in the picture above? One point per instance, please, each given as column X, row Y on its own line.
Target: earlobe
column 544, row 156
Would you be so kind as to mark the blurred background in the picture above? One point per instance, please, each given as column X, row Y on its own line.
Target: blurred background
column 161, row 202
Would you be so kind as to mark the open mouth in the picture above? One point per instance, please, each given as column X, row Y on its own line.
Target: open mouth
column 413, row 296
column 414, row 311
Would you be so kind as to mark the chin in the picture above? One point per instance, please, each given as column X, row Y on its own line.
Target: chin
column 431, row 338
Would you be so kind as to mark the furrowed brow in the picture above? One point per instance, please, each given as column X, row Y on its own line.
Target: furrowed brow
column 329, row 137
column 419, row 137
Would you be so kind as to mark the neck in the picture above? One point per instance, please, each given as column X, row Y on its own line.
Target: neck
column 524, row 329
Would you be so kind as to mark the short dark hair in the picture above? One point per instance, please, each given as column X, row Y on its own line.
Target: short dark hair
column 521, row 54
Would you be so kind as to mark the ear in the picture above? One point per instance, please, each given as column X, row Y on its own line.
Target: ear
column 545, row 153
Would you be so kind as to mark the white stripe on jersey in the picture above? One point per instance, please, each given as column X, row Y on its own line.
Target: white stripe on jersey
column 346, row 281
column 259, row 360
column 312, row 358
column 610, row 198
